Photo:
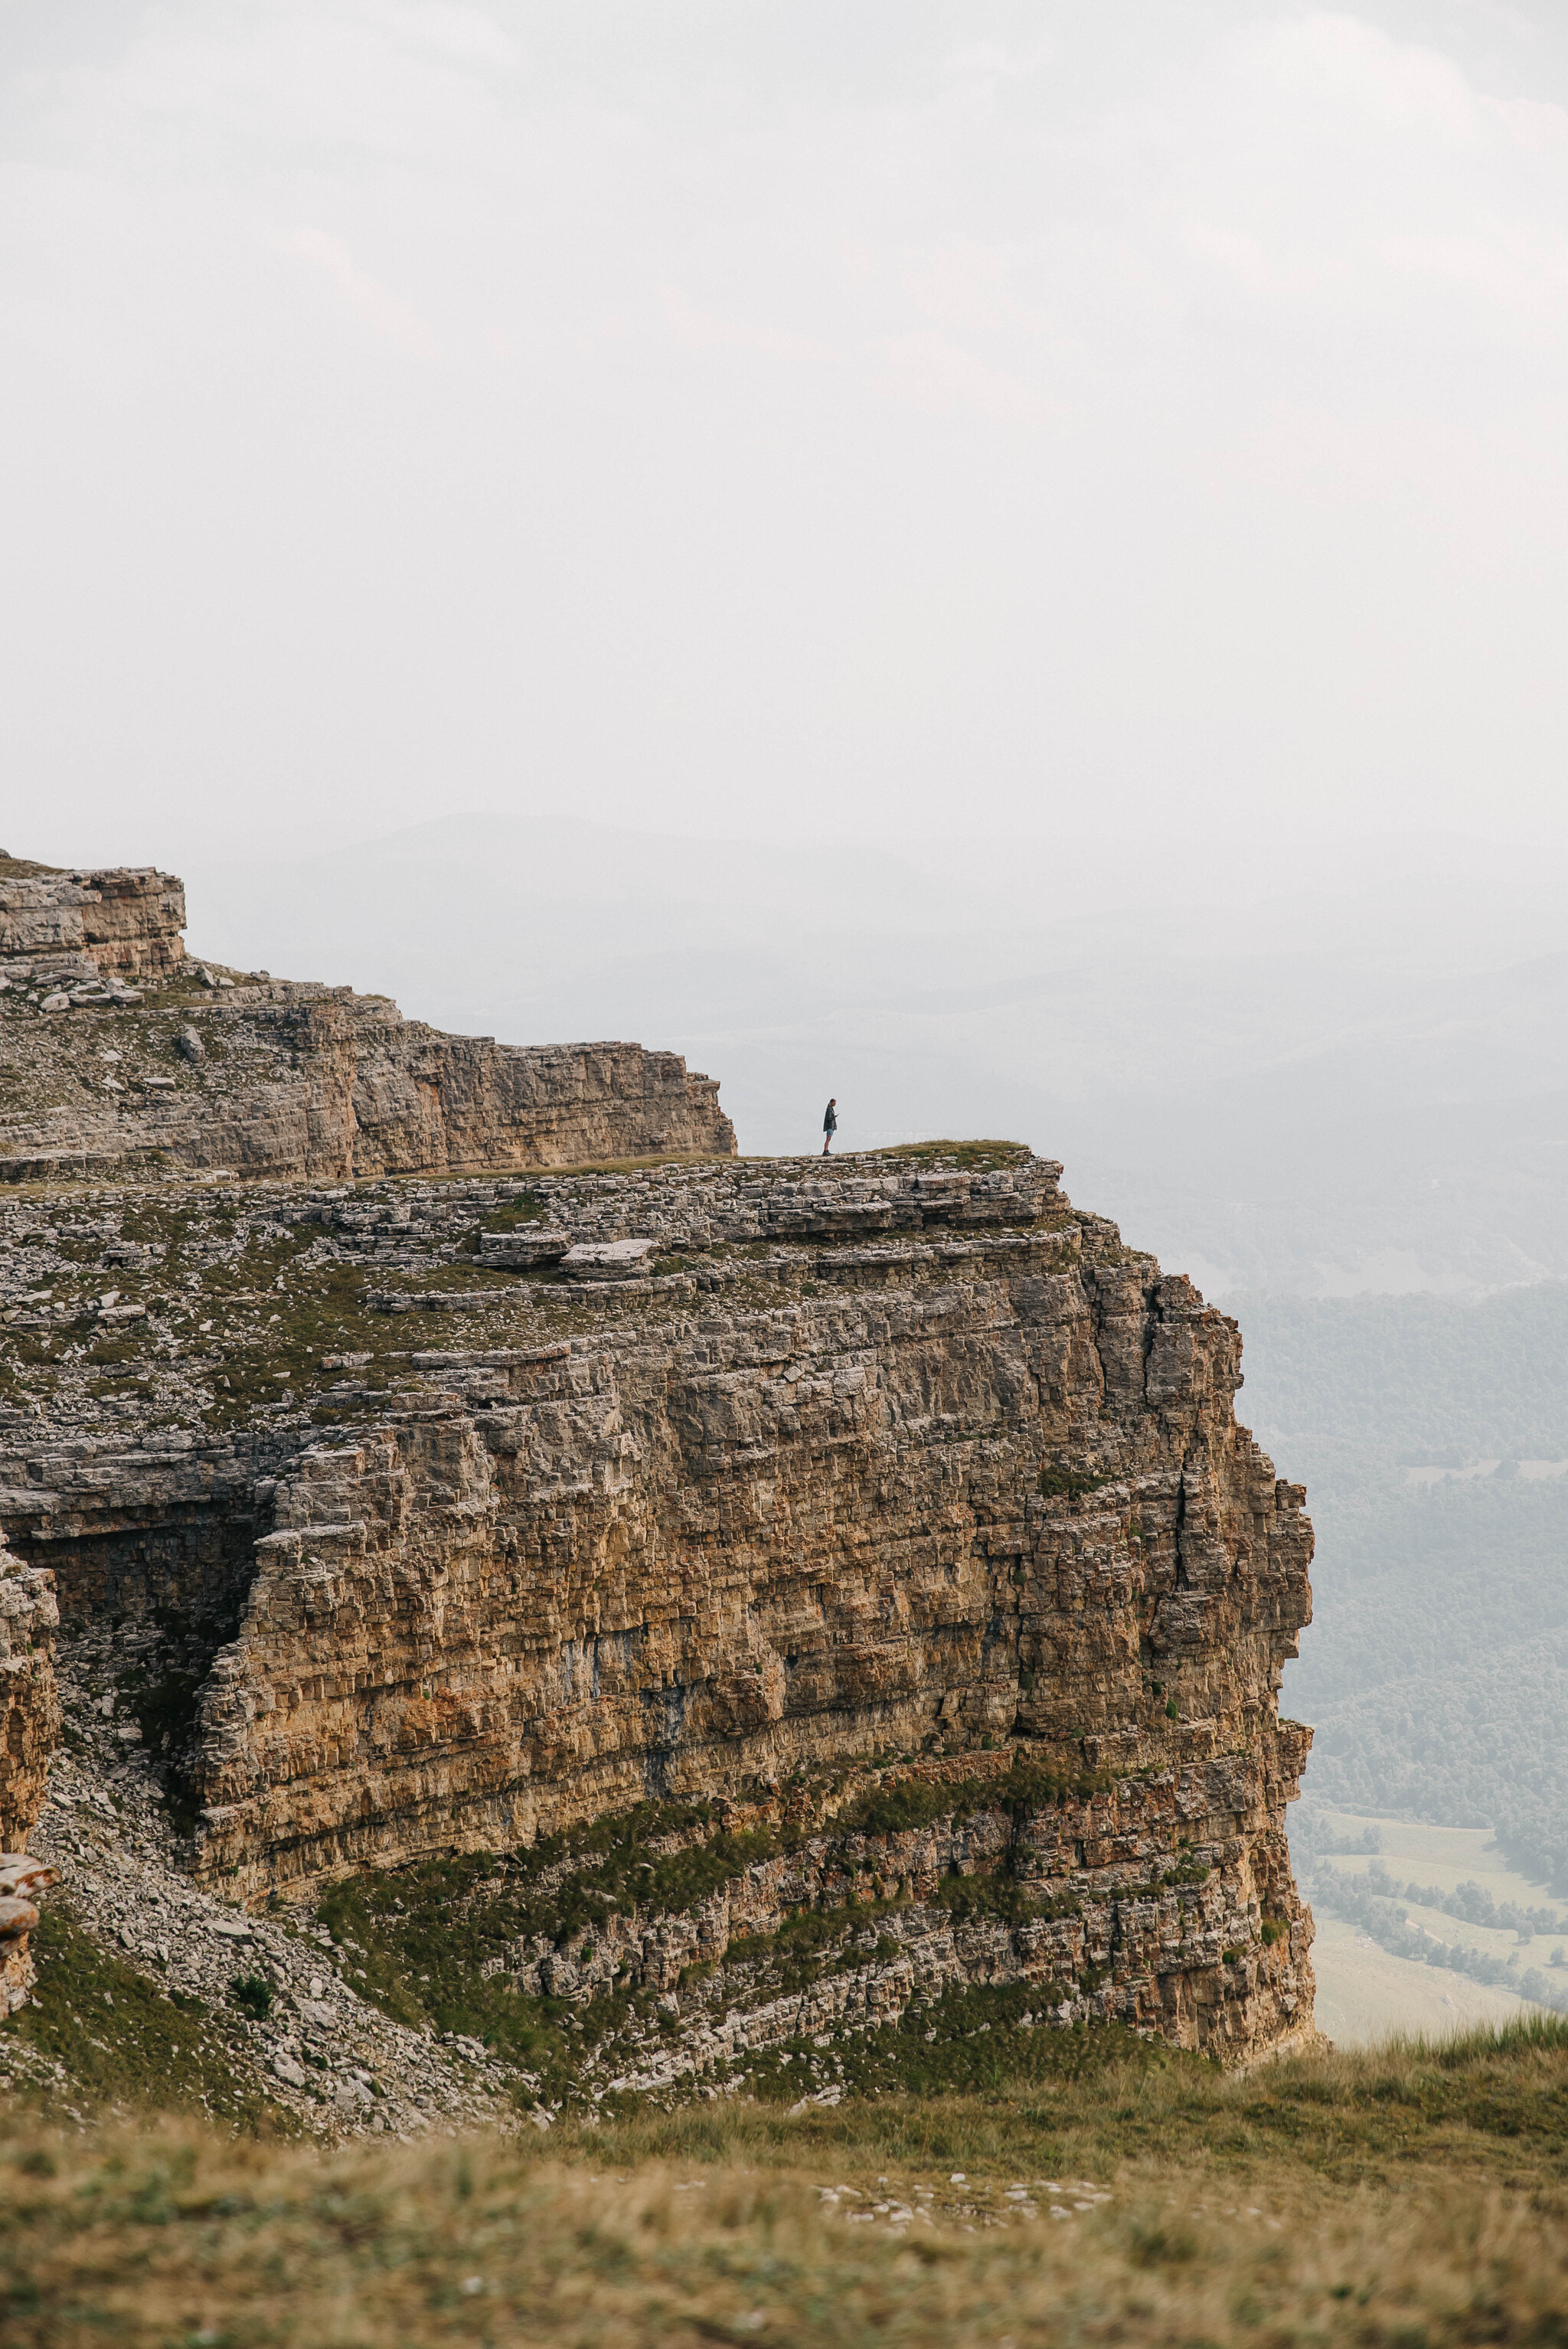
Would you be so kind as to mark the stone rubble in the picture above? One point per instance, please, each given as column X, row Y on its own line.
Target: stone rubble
column 324, row 2053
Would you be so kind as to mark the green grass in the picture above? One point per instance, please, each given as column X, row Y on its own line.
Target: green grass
column 891, row 1809
column 122, row 2041
column 424, row 1935
column 526, row 1208
column 444, row 1944
column 988, row 2094
column 960, row 1157
column 1057, row 1481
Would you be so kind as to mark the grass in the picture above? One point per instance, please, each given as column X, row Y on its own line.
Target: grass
column 1403, row 2199
column 122, row 2039
column 424, row 1935
column 891, row 1808
column 444, row 1943
column 959, row 1157
column 526, row 1210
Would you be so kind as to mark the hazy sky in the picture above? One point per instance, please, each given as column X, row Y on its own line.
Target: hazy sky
column 871, row 414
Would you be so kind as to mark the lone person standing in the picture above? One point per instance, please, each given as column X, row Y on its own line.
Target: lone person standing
column 829, row 1125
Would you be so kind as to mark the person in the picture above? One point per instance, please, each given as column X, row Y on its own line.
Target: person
column 829, row 1124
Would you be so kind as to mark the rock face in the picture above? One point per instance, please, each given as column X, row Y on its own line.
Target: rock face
column 196, row 1068
column 29, row 1714
column 29, row 1725
column 126, row 919
column 896, row 1508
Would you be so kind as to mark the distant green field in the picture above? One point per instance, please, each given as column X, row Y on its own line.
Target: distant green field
column 1364, row 1994
column 1446, row 1855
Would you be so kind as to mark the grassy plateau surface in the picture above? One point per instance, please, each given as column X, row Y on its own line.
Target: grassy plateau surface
column 1416, row 2194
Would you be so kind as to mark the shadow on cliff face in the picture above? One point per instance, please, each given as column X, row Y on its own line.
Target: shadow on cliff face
column 147, row 1607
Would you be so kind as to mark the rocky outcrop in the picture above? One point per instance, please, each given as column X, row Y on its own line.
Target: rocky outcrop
column 317, row 2048
column 29, row 1712
column 198, row 1067
column 126, row 919
column 884, row 1477
column 29, row 1725
column 878, row 1538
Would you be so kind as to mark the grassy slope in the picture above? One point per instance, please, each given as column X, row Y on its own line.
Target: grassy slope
column 1407, row 2197
column 117, row 2039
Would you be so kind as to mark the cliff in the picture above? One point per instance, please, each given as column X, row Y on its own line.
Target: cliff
column 124, row 1058
column 882, row 1534
column 29, row 1726
column 123, row 920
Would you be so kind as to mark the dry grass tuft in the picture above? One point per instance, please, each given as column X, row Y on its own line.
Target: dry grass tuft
column 1446, row 2225
column 169, row 2237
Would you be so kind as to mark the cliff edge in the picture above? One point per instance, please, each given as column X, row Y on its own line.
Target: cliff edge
column 881, row 1535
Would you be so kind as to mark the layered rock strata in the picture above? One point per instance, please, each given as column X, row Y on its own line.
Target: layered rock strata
column 197, row 1067
column 29, row 1726
column 124, row 919
column 897, row 1460
column 320, row 2049
column 29, row 1710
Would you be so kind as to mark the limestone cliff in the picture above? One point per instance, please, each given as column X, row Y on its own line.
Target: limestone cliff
column 124, row 920
column 896, row 1512
column 29, row 1716
column 192, row 1067
column 29, row 1725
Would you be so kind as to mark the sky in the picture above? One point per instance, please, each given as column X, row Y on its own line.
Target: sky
column 723, row 417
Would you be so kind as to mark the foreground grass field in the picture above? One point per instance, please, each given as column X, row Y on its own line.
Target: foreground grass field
column 1410, row 2196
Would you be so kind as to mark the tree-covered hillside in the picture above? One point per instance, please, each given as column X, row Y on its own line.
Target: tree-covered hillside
column 1417, row 1379
column 1436, row 1669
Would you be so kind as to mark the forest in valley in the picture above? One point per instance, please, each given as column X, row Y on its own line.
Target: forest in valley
column 1432, row 1437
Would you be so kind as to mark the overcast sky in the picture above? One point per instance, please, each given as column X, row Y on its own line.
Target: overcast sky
column 864, row 415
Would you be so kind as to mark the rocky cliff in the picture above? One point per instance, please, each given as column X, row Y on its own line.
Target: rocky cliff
column 881, row 1535
column 123, row 920
column 29, row 1726
column 119, row 1056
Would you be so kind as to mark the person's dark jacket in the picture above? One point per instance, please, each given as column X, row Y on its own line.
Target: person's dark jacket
column 829, row 1120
